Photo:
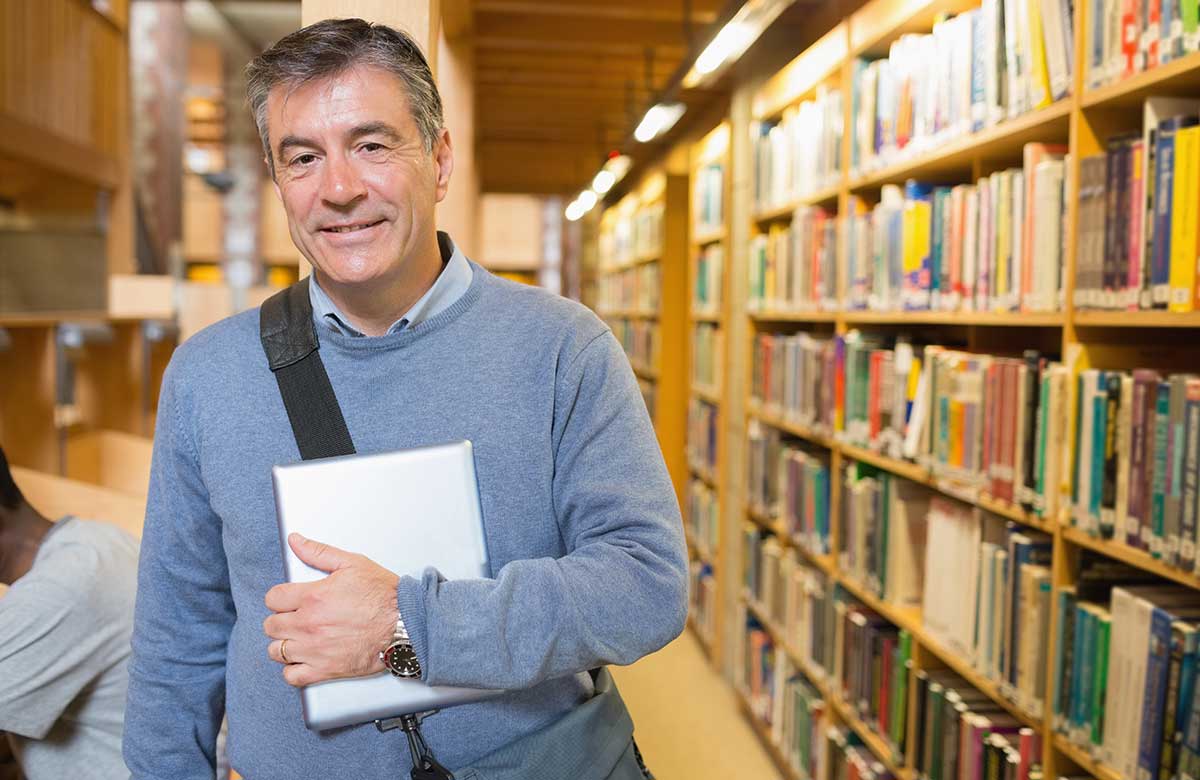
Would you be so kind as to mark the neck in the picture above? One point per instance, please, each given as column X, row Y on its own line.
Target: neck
column 373, row 308
column 21, row 533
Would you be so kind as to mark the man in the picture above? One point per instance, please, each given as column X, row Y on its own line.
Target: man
column 421, row 346
column 64, row 639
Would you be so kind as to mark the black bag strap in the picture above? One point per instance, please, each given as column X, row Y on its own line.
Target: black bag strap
column 289, row 338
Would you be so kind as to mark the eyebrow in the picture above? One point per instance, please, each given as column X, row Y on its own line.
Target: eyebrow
column 356, row 132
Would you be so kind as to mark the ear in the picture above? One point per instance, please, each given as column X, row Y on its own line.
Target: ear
column 443, row 159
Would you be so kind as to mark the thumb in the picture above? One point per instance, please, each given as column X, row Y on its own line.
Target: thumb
column 318, row 554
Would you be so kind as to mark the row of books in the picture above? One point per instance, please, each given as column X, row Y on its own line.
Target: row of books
column 997, row 245
column 1126, row 38
column 873, row 673
column 793, row 267
column 703, row 599
column 789, row 483
column 1137, row 462
column 794, row 596
column 633, row 233
column 881, row 543
column 974, row 70
column 987, row 597
column 708, row 198
column 637, row 288
column 790, row 377
column 961, row 734
column 707, row 280
column 1124, row 671
column 702, row 435
column 800, row 153
column 640, row 340
column 1138, row 232
column 707, row 349
column 704, row 518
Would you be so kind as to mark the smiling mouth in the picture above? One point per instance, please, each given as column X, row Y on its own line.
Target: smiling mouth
column 351, row 228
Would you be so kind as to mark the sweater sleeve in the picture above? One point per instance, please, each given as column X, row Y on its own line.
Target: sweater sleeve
column 621, row 591
column 183, row 616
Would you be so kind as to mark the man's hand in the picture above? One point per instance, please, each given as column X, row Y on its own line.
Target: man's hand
column 335, row 627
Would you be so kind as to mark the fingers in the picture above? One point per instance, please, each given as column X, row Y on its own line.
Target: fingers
column 299, row 675
column 282, row 626
column 275, row 651
column 319, row 555
column 288, row 596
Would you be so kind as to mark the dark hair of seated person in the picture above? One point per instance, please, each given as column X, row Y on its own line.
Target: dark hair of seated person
column 21, row 528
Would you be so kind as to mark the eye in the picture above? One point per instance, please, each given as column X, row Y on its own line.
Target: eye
column 371, row 146
column 304, row 160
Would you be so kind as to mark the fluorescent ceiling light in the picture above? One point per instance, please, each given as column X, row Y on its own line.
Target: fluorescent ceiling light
column 658, row 120
column 586, row 199
column 604, row 181
column 574, row 211
column 732, row 41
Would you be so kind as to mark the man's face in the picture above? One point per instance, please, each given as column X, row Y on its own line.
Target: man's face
column 356, row 181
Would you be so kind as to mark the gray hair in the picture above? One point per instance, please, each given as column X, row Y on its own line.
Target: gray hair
column 333, row 46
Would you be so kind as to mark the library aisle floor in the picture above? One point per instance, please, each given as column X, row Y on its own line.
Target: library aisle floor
column 687, row 720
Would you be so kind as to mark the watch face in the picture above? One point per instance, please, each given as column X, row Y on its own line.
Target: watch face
column 401, row 660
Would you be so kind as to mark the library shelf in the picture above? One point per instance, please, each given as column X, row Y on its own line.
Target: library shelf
column 768, row 523
column 706, row 393
column 878, row 746
column 764, row 735
column 1012, row 319
column 703, row 473
column 708, row 236
column 1096, row 769
column 768, row 417
column 645, row 258
column 901, row 468
column 819, row 197
column 1181, row 76
column 702, row 552
column 1003, row 141
column 1134, row 557
column 645, row 372
column 52, row 318
column 782, row 315
column 701, row 639
column 706, row 316
column 874, row 26
column 1136, row 319
column 629, row 314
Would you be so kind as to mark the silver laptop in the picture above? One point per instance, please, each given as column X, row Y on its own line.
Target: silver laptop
column 405, row 510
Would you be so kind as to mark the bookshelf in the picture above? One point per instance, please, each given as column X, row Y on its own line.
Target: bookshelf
column 708, row 299
column 1085, row 338
column 642, row 294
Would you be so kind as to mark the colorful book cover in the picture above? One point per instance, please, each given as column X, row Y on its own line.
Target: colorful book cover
column 1182, row 273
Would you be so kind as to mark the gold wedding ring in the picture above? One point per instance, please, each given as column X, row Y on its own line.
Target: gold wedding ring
column 282, row 652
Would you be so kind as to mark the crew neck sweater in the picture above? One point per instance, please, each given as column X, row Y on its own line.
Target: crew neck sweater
column 583, row 532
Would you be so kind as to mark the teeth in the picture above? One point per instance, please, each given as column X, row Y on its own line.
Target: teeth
column 349, row 228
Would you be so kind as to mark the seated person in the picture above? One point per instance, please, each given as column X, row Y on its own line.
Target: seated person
column 64, row 639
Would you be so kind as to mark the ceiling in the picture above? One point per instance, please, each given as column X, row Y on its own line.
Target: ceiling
column 559, row 83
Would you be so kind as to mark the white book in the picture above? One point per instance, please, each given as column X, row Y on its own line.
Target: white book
column 1057, row 56
column 1083, row 475
column 1047, row 221
column 1124, row 438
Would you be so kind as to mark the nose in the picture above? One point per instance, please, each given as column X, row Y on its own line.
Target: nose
column 341, row 184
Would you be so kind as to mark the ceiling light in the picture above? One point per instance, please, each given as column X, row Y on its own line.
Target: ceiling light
column 658, row 120
column 586, row 199
column 574, row 211
column 604, row 181
column 732, row 41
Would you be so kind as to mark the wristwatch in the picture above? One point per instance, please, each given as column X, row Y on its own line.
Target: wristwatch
column 399, row 657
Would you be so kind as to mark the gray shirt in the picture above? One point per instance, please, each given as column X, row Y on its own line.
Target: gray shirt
column 64, row 646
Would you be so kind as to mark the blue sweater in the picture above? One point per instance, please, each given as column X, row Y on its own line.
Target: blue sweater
column 583, row 531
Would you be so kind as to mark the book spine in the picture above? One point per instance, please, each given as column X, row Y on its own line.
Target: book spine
column 1160, row 270
column 1153, row 697
column 1159, row 480
column 1191, row 477
column 1108, row 498
column 1168, row 757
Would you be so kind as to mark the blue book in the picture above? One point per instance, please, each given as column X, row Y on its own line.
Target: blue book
column 978, row 71
column 1024, row 547
column 1164, row 153
column 1099, row 405
column 1157, row 658
column 1064, row 657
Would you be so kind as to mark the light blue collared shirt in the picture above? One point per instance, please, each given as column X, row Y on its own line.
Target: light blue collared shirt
column 450, row 285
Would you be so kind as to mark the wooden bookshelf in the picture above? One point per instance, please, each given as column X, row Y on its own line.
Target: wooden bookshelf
column 708, row 218
column 1082, row 120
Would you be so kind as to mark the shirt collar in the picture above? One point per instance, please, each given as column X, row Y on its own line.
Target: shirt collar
column 453, row 280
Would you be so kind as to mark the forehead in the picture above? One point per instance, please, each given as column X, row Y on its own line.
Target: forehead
column 337, row 103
